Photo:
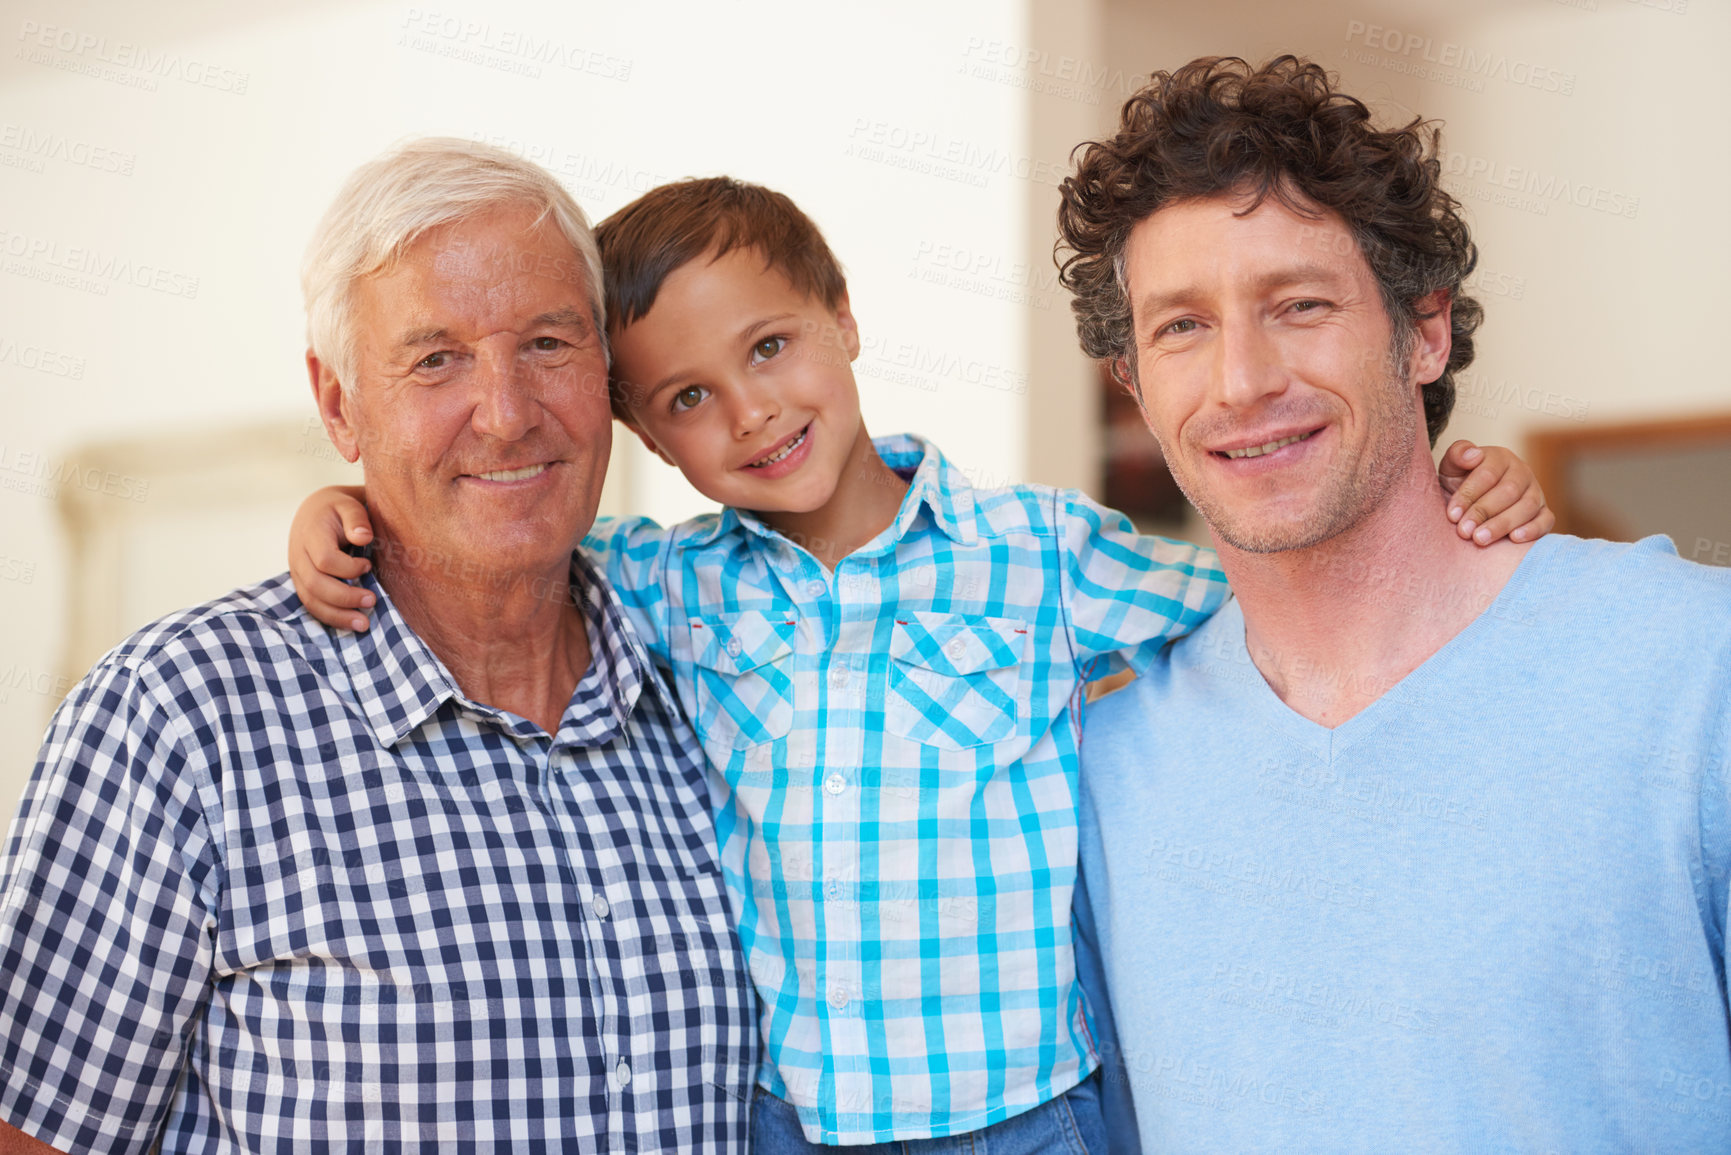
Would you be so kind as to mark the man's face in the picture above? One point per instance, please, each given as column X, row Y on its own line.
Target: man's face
column 1264, row 355
column 480, row 406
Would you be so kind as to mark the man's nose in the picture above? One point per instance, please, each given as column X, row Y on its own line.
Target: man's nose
column 1249, row 366
column 505, row 404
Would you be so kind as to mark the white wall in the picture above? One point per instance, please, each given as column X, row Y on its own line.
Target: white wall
column 231, row 129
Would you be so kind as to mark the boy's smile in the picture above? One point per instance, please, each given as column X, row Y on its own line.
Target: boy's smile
column 746, row 385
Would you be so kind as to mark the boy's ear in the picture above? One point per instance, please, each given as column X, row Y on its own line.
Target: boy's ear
column 334, row 408
column 648, row 441
column 848, row 327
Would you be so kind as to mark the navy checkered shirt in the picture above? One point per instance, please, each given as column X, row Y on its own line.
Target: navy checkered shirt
column 274, row 887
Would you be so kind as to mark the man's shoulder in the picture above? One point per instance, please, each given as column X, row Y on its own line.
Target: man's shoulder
column 262, row 624
column 1637, row 582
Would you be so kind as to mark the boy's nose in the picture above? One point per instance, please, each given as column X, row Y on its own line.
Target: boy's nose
column 753, row 409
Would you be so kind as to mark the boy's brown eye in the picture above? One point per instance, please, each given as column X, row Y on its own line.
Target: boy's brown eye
column 767, row 348
column 687, row 397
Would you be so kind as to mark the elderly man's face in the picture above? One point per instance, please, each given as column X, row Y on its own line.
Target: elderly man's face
column 480, row 406
column 1267, row 376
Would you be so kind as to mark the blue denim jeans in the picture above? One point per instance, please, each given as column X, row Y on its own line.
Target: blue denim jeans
column 1070, row 1123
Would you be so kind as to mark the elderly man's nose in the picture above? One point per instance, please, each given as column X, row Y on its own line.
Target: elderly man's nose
column 505, row 405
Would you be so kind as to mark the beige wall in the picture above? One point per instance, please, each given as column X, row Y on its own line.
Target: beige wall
column 926, row 139
column 179, row 153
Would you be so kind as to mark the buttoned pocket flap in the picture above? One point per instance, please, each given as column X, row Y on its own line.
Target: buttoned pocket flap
column 738, row 643
column 954, row 645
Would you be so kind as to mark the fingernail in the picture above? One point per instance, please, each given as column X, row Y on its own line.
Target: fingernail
column 1454, row 513
column 357, row 624
column 1467, row 525
column 367, row 601
column 1483, row 537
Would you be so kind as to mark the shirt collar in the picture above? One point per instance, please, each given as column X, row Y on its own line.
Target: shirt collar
column 936, row 486
column 400, row 683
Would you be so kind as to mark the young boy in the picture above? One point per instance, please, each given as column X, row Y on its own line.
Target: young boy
column 885, row 667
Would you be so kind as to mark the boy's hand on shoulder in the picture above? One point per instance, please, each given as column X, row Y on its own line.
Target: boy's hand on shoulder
column 1493, row 494
column 320, row 568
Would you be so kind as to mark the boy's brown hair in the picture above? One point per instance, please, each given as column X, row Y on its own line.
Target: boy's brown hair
column 671, row 226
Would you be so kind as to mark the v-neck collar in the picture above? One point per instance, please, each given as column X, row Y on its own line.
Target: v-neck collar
column 1430, row 678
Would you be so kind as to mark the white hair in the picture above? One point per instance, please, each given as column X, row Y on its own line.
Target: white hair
column 389, row 203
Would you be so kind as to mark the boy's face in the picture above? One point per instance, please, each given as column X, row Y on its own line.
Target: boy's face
column 745, row 384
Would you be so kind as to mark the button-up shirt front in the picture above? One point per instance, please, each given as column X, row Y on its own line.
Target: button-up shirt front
column 276, row 887
column 895, row 743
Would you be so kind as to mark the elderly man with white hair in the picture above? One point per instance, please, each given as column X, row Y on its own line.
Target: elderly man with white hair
column 448, row 883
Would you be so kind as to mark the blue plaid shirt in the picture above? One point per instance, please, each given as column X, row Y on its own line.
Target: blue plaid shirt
column 898, row 746
column 275, row 887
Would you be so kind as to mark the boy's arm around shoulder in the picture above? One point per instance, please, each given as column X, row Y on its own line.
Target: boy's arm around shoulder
column 633, row 553
column 1126, row 594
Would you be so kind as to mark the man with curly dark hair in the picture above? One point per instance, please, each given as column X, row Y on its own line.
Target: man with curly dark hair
column 1409, row 861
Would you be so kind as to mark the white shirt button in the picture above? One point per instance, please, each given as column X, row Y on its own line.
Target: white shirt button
column 838, row 997
column 815, row 589
column 622, row 1073
column 601, row 906
column 733, row 647
column 838, row 676
column 835, row 783
column 833, row 889
column 955, row 647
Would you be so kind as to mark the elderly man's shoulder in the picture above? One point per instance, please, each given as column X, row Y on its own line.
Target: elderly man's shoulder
column 231, row 640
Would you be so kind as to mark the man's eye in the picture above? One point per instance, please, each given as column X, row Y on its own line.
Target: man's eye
column 547, row 344
column 688, row 397
column 767, row 348
column 1307, row 305
column 1180, row 326
column 433, row 361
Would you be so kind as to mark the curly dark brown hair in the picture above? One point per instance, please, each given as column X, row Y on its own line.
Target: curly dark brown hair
column 1219, row 127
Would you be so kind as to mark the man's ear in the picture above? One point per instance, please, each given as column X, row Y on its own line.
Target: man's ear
column 334, row 407
column 847, row 326
column 1434, row 339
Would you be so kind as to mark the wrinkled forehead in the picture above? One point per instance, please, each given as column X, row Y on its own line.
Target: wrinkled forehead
column 1207, row 244
column 501, row 271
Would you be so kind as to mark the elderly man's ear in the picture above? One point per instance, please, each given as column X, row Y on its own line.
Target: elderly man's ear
column 333, row 406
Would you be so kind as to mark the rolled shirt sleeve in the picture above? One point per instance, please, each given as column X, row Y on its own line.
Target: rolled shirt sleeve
column 107, row 922
column 1128, row 594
